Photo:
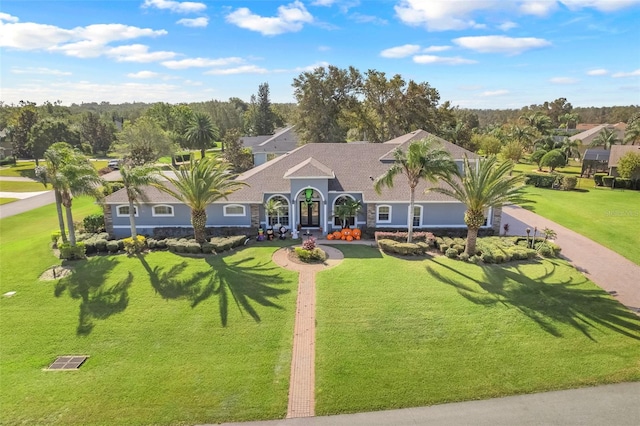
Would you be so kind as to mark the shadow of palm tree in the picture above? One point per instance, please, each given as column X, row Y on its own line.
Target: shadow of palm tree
column 545, row 299
column 358, row 251
column 98, row 299
column 242, row 281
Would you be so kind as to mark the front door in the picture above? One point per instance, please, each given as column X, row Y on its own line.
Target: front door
column 310, row 214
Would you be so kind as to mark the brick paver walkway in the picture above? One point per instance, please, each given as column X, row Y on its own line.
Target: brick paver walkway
column 302, row 381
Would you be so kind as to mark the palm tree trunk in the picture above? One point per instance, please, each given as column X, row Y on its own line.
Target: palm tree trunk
column 132, row 219
column 63, row 233
column 199, row 223
column 202, row 153
column 472, row 237
column 410, row 215
column 70, row 226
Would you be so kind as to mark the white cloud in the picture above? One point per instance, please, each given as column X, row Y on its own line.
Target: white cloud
column 39, row 71
column 308, row 68
column 137, row 53
column 599, row 71
column 7, row 17
column 441, row 15
column 176, row 6
column 367, row 19
column 245, row 69
column 635, row 73
column 324, row 2
column 506, row 26
column 538, row 7
column 291, row 18
column 563, row 80
column 400, row 51
column 446, row 60
column 202, row 63
column 601, row 5
column 490, row 93
column 194, row 23
column 501, row 44
column 432, row 49
column 143, row 74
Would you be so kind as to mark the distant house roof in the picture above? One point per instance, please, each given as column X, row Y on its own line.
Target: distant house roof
column 403, row 141
column 594, row 154
column 617, row 151
column 251, row 141
column 282, row 141
column 587, row 137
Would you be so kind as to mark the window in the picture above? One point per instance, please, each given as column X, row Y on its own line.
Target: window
column 384, row 214
column 343, row 199
column 234, row 210
column 162, row 210
column 417, row 215
column 124, row 211
column 280, row 216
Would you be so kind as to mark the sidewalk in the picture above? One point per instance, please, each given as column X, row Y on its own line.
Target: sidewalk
column 617, row 404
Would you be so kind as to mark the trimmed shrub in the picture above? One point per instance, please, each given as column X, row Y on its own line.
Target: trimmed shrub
column 101, row 245
column 405, row 249
column 93, row 223
column 597, row 178
column 569, row 183
column 8, row 161
column 540, row 181
column 55, row 235
column 69, row 252
column 208, row 248
column 554, row 159
column 536, row 157
column 464, row 257
column 487, row 258
column 134, row 245
column 608, row 181
column 401, row 237
column 113, row 246
column 221, row 244
column 192, row 247
column 314, row 255
column 622, row 183
column 451, row 253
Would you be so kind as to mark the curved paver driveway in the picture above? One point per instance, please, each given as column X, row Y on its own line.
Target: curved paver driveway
column 612, row 272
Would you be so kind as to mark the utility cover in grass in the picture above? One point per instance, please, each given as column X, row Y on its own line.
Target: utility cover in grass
column 67, row 363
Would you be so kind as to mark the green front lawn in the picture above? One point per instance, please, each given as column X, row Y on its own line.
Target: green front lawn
column 608, row 217
column 397, row 332
column 171, row 340
column 16, row 186
column 7, row 200
column 22, row 169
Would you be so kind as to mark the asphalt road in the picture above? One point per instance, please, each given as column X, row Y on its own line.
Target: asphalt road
column 27, row 204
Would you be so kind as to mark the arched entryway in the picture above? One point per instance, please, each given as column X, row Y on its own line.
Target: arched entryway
column 310, row 208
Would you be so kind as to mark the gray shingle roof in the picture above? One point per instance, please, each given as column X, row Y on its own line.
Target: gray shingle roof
column 310, row 168
column 617, row 151
column 403, row 141
column 151, row 194
column 284, row 140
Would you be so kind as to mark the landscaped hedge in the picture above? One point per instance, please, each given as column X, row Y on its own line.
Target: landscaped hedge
column 8, row 161
column 94, row 223
column 69, row 252
column 497, row 249
column 569, row 182
column 184, row 245
column 403, row 248
column 607, row 181
column 541, row 181
column 597, row 178
column 401, row 237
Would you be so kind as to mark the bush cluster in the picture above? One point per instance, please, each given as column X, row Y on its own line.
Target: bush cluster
column 134, row 245
column 401, row 237
column 541, row 181
column 184, row 245
column 94, row 223
column 314, row 255
column 497, row 249
column 403, row 248
column 8, row 161
column 69, row 252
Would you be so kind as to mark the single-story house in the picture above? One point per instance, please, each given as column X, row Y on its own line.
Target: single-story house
column 266, row 148
column 310, row 182
column 617, row 151
column 587, row 137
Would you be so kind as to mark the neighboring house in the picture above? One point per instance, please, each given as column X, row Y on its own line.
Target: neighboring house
column 6, row 148
column 595, row 160
column 266, row 148
column 310, row 181
column 617, row 151
column 587, row 137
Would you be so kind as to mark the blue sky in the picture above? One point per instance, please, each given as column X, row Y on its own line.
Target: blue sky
column 477, row 53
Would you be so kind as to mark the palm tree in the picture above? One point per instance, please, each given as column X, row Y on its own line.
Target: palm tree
column 423, row 160
column 487, row 185
column 606, row 138
column 632, row 133
column 201, row 132
column 204, row 182
column 569, row 118
column 273, row 207
column 42, row 174
column 71, row 175
column 347, row 209
column 134, row 179
column 539, row 121
column 524, row 135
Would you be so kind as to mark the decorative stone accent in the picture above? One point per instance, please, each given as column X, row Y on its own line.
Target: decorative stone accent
column 496, row 219
column 108, row 220
column 371, row 215
column 255, row 215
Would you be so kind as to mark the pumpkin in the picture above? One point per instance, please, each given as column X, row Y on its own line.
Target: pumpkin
column 337, row 235
column 346, row 231
column 330, row 237
column 343, row 238
column 357, row 237
column 356, row 232
column 349, row 238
